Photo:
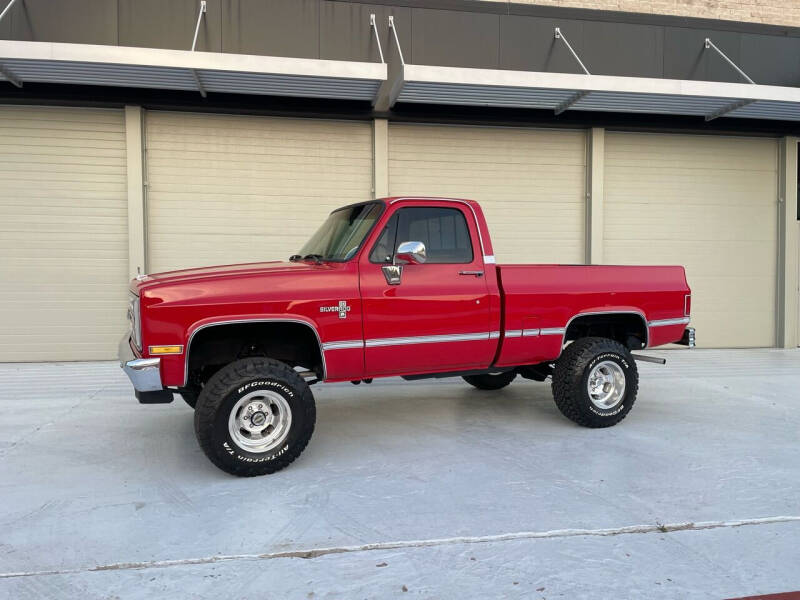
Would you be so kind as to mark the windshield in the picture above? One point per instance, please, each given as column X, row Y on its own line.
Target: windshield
column 342, row 233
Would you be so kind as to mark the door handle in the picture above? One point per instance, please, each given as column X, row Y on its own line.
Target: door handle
column 475, row 273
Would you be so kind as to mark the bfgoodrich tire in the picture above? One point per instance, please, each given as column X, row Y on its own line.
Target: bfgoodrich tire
column 490, row 382
column 595, row 382
column 254, row 417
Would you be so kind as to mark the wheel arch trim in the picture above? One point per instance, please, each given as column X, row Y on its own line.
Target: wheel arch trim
column 234, row 321
column 636, row 312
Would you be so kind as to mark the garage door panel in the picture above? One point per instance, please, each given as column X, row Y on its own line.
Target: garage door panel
column 738, row 192
column 678, row 221
column 227, row 189
column 529, row 182
column 715, row 262
column 63, row 215
column 701, row 153
column 735, row 329
column 708, row 203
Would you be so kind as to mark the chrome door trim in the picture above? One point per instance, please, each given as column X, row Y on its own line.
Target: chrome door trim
column 428, row 339
column 343, row 345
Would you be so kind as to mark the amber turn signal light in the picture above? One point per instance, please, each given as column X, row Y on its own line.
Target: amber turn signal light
column 166, row 349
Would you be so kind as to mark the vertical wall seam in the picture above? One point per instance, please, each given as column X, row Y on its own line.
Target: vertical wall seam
column 380, row 158
column 787, row 275
column 134, row 169
column 595, row 195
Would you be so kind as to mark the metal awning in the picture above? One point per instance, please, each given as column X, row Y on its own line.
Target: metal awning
column 84, row 64
column 563, row 91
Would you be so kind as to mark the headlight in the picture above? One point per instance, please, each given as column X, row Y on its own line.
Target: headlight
column 134, row 319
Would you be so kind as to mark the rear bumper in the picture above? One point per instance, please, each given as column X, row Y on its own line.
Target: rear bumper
column 144, row 373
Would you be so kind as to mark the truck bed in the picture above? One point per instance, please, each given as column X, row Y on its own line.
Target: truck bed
column 539, row 301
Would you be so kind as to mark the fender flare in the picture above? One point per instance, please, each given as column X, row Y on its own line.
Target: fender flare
column 241, row 319
column 612, row 311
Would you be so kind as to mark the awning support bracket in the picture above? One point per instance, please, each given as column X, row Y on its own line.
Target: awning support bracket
column 199, row 19
column 580, row 94
column 733, row 105
column 6, row 9
column 396, row 39
column 560, row 36
column 12, row 79
column 570, row 101
column 709, row 44
column 195, row 75
column 728, row 108
column 374, row 28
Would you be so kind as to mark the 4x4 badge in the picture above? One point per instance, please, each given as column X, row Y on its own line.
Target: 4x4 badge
column 342, row 308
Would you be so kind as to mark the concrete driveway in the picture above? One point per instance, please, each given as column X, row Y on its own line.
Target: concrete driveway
column 410, row 490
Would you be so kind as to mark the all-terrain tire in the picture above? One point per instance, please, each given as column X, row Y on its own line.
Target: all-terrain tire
column 491, row 381
column 229, row 386
column 571, row 377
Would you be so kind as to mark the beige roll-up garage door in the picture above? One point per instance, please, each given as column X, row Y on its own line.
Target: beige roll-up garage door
column 708, row 203
column 229, row 189
column 529, row 182
column 64, row 240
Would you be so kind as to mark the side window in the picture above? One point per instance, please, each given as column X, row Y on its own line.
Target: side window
column 444, row 232
column 383, row 250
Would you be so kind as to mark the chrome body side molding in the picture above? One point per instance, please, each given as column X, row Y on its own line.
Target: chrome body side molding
column 665, row 322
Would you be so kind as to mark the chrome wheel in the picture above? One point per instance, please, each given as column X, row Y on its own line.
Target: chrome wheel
column 260, row 421
column 606, row 385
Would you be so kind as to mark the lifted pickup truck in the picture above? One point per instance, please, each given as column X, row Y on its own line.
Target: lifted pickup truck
column 394, row 287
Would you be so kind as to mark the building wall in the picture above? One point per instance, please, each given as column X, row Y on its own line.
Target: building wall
column 776, row 12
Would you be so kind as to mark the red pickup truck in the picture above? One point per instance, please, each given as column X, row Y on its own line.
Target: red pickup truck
column 393, row 287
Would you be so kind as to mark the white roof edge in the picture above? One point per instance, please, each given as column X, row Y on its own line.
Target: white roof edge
column 597, row 83
column 186, row 59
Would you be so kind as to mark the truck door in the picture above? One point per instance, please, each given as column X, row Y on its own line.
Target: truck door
column 436, row 317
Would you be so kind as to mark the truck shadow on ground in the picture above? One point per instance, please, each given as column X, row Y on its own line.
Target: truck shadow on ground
column 391, row 414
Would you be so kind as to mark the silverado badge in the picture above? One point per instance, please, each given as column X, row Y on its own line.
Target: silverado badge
column 342, row 308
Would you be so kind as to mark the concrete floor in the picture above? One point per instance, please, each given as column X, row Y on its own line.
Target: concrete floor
column 434, row 488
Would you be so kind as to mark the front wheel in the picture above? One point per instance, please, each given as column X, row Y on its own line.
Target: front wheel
column 595, row 382
column 254, row 417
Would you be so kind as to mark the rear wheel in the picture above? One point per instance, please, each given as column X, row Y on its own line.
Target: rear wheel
column 595, row 382
column 491, row 382
column 254, row 416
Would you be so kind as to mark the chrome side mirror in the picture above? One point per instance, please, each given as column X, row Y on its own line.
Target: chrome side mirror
column 411, row 253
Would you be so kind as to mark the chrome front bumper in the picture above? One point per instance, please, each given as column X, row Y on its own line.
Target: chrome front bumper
column 144, row 373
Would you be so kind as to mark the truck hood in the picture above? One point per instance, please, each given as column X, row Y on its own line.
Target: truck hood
column 225, row 271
